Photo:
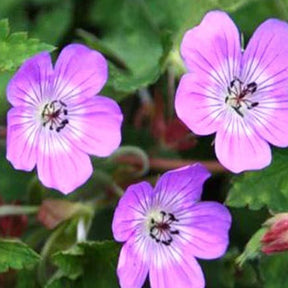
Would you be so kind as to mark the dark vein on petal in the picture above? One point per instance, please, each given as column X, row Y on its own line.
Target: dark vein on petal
column 272, row 77
column 59, row 75
column 34, row 90
column 140, row 202
column 78, row 85
column 268, row 43
column 33, row 103
column 220, row 81
column 137, row 210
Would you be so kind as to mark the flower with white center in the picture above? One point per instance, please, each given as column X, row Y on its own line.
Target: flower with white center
column 165, row 228
column 242, row 96
column 57, row 118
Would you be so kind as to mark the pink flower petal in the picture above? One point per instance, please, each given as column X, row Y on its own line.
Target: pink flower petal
column 132, row 270
column 60, row 165
column 199, row 104
column 31, row 83
column 181, row 187
column 265, row 58
column 79, row 71
column 22, row 138
column 184, row 273
column 213, row 48
column 207, row 230
column 95, row 126
column 270, row 122
column 131, row 209
column 265, row 62
column 238, row 147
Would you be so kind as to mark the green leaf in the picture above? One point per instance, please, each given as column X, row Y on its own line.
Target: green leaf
column 88, row 263
column 16, row 255
column 4, row 79
column 17, row 47
column 70, row 262
column 11, row 189
column 268, row 187
column 62, row 282
column 52, row 22
column 143, row 33
column 179, row 15
column 130, row 36
column 247, row 20
column 8, row 7
column 27, row 279
column 253, row 247
column 224, row 273
column 4, row 29
column 273, row 271
column 220, row 273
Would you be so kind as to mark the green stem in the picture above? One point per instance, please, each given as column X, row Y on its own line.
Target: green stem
column 101, row 46
column 136, row 151
column 7, row 210
column 171, row 90
column 42, row 276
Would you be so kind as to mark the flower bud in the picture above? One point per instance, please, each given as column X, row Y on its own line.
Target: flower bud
column 276, row 237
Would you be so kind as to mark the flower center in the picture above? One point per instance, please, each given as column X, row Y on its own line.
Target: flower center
column 239, row 94
column 54, row 115
column 161, row 229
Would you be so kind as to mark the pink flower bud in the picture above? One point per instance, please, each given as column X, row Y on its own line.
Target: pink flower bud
column 276, row 237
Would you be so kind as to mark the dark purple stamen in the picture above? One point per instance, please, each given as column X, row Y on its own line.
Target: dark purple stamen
column 239, row 95
column 54, row 114
column 161, row 231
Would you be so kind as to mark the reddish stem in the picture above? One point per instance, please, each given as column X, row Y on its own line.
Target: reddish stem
column 168, row 164
column 162, row 164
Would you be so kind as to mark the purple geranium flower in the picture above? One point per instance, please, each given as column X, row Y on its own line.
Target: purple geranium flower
column 166, row 228
column 242, row 96
column 57, row 119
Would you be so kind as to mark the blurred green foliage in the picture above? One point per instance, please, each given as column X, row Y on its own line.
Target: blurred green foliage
column 140, row 39
column 272, row 271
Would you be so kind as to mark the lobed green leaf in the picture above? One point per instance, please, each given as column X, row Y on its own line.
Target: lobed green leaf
column 17, row 47
column 87, row 263
column 267, row 187
column 16, row 255
column 273, row 271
